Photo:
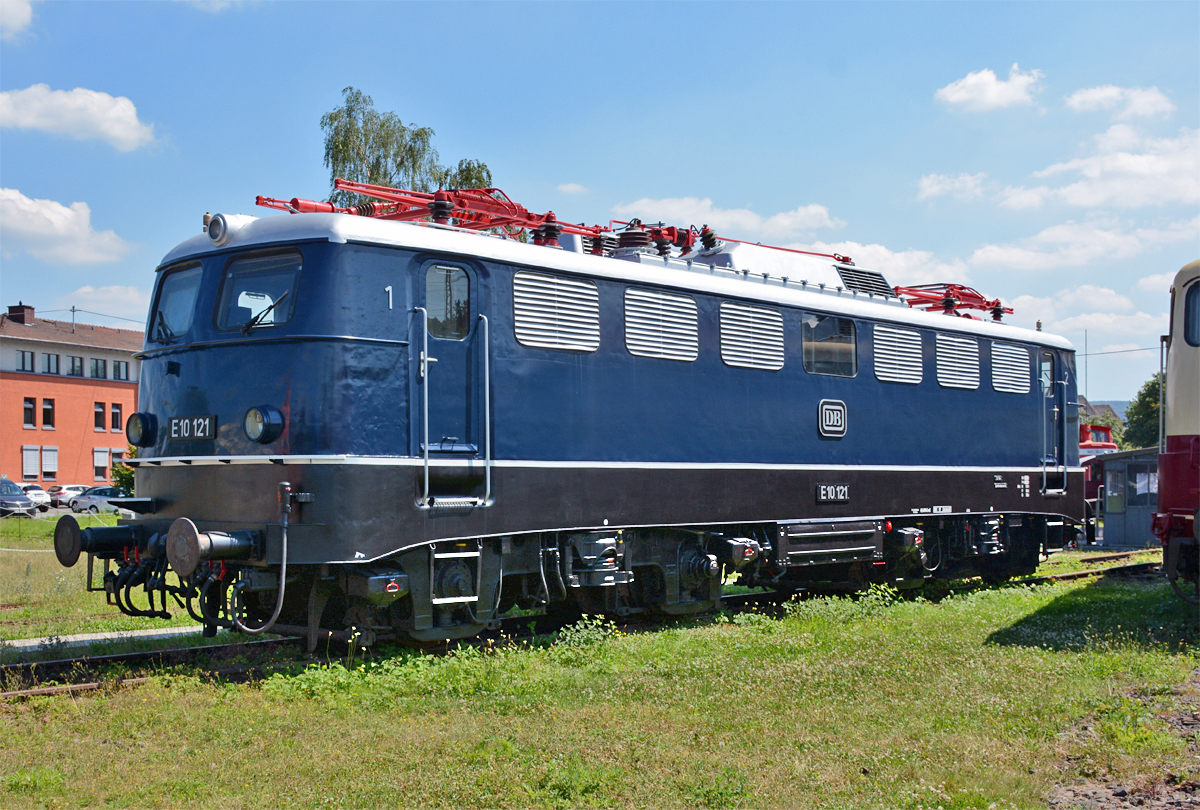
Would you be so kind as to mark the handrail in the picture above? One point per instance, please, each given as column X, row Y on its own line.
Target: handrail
column 423, row 374
column 487, row 412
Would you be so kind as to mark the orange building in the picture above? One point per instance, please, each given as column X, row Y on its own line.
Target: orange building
column 65, row 392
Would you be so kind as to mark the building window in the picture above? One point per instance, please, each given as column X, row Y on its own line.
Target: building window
column 49, row 463
column 116, row 418
column 120, row 370
column 100, row 463
column 99, row 369
column 751, row 337
column 50, row 363
column 24, row 361
column 554, row 312
column 47, row 413
column 29, row 462
column 830, row 345
column 75, row 368
column 30, row 412
column 100, row 416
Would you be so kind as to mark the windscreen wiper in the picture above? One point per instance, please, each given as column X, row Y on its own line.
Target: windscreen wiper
column 257, row 319
column 162, row 332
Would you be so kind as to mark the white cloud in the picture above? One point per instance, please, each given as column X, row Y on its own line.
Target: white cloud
column 121, row 301
column 1141, row 323
column 572, row 188
column 905, row 267
column 54, row 233
column 1136, row 101
column 1060, row 313
column 1127, row 171
column 981, row 91
column 1160, row 283
column 15, row 15
column 963, row 186
column 79, row 113
column 1073, row 244
column 739, row 222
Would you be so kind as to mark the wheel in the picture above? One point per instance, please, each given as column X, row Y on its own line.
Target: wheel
column 1185, row 560
column 43, row 508
column 95, row 510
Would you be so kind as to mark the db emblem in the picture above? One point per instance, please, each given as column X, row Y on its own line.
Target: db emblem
column 831, row 418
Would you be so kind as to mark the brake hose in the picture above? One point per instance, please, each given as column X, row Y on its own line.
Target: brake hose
column 285, row 508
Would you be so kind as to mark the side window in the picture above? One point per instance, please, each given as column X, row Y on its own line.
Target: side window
column 751, row 337
column 830, row 345
column 448, row 302
column 555, row 312
column 662, row 325
column 1010, row 369
column 957, row 361
column 1191, row 315
column 176, row 304
column 259, row 291
column 897, row 355
column 1114, row 491
column 1046, row 375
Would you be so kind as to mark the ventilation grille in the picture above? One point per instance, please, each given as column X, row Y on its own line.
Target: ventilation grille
column 897, row 355
column 957, row 362
column 1010, row 369
column 550, row 312
column 751, row 337
column 865, row 281
column 661, row 325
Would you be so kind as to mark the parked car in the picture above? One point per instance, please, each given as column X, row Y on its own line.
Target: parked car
column 13, row 501
column 95, row 500
column 61, row 495
column 39, row 496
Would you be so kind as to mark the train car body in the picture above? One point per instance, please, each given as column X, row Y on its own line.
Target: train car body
column 1177, row 523
column 449, row 423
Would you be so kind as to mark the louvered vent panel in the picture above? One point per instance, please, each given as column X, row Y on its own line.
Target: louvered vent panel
column 751, row 337
column 957, row 361
column 1010, row 369
column 867, row 281
column 552, row 312
column 662, row 325
column 897, row 355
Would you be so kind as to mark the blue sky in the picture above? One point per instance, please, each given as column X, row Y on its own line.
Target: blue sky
column 1044, row 153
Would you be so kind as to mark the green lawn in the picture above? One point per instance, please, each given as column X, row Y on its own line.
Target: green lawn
column 971, row 702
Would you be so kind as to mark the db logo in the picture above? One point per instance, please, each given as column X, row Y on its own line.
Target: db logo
column 831, row 418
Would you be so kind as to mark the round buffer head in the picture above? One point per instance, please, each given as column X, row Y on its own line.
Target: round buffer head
column 67, row 541
column 183, row 547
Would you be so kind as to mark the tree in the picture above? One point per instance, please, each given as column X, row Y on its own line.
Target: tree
column 122, row 474
column 1141, row 417
column 366, row 146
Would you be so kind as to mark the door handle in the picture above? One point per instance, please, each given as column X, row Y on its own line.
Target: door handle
column 425, row 361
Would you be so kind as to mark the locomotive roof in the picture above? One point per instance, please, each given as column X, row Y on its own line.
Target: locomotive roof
column 697, row 276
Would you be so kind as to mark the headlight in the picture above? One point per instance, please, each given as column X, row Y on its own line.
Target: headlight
column 263, row 424
column 141, row 429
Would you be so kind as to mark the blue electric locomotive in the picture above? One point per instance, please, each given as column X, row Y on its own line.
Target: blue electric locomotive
column 411, row 427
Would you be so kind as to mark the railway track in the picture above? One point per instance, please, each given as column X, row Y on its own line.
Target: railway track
column 86, row 673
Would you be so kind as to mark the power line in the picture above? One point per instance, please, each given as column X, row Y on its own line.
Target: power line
column 1118, row 351
column 90, row 312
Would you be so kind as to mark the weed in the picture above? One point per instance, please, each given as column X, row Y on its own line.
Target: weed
column 726, row 789
column 35, row 780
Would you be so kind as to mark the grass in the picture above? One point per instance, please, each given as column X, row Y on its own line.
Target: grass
column 969, row 702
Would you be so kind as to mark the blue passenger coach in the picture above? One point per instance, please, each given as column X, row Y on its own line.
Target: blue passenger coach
column 411, row 428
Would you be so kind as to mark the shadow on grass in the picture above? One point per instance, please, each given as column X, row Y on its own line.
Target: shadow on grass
column 1107, row 613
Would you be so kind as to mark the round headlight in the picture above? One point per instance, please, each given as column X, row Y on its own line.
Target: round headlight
column 263, row 424
column 141, row 429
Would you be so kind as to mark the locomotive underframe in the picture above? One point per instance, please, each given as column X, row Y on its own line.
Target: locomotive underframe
column 392, row 570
